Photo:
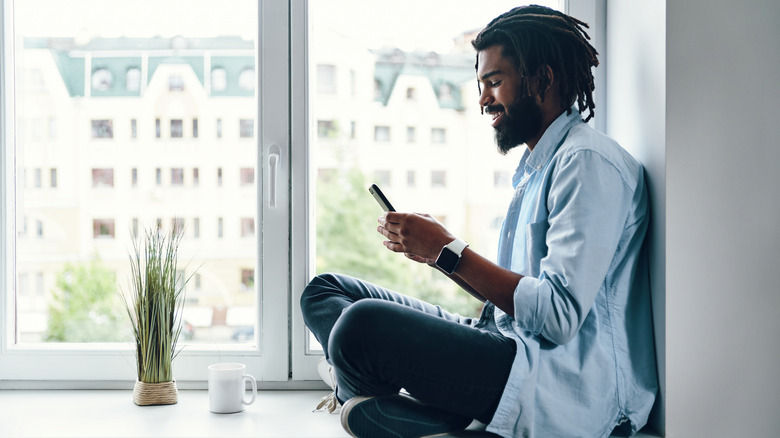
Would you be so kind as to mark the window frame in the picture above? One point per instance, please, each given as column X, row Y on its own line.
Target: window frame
column 111, row 365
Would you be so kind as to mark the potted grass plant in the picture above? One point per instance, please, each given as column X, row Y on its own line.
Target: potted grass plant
column 154, row 305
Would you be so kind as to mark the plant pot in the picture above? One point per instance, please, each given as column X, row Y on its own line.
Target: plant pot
column 146, row 394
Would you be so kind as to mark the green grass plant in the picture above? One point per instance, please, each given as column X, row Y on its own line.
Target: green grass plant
column 155, row 301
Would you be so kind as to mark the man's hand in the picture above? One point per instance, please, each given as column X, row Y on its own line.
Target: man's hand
column 419, row 236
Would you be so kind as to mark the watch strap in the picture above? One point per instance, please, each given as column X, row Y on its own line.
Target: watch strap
column 457, row 246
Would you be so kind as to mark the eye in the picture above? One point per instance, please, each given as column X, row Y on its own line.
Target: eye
column 495, row 84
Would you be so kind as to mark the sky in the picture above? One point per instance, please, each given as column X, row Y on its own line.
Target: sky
column 407, row 24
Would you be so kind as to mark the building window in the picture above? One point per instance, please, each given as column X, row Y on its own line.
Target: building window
column 177, row 128
column 246, row 79
column 247, row 279
column 158, row 176
column 326, row 79
column 411, row 178
column 102, row 228
column 411, row 134
column 157, row 128
column 38, row 178
column 220, row 230
column 196, row 228
column 438, row 135
column 175, row 83
column 133, row 79
column 218, row 79
column 102, row 128
column 411, row 93
column 438, row 179
column 52, row 128
column 102, row 178
column 247, row 227
column 102, row 79
column 133, row 128
column 177, row 176
column 39, row 229
column 53, row 178
column 247, row 176
column 246, row 128
column 381, row 134
column 196, row 177
column 219, row 176
column 352, row 130
column 326, row 129
column 219, row 128
column 382, row 178
column 134, row 177
column 194, row 128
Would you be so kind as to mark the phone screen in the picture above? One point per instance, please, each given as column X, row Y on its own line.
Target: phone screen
column 380, row 198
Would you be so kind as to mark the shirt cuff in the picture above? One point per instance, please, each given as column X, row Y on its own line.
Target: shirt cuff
column 532, row 303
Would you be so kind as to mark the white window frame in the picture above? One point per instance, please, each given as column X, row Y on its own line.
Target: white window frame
column 113, row 365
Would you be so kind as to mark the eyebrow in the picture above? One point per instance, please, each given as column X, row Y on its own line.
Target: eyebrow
column 487, row 75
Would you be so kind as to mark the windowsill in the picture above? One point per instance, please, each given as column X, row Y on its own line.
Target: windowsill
column 112, row 413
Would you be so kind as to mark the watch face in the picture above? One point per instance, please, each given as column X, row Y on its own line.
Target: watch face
column 447, row 260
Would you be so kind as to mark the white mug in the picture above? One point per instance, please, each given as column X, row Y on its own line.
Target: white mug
column 227, row 387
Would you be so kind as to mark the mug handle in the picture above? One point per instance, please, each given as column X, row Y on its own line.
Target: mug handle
column 254, row 390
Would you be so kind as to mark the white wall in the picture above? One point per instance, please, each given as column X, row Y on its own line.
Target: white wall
column 694, row 89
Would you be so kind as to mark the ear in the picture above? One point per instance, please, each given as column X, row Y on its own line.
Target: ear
column 544, row 81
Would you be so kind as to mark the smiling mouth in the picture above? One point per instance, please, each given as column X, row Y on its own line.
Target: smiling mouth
column 495, row 111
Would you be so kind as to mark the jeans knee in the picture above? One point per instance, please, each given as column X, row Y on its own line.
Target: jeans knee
column 360, row 329
column 312, row 293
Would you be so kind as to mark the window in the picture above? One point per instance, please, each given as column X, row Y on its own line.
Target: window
column 273, row 264
column 326, row 79
column 53, row 178
column 411, row 134
column 102, row 129
column 381, row 134
column 133, row 79
column 439, row 179
column 246, row 128
column 102, row 79
column 194, row 128
column 246, row 79
column 411, row 178
column 411, row 93
column 326, row 129
column 102, row 178
column 438, row 135
column 103, row 228
column 177, row 177
column 247, row 227
column 177, row 128
column 195, row 177
column 38, row 179
column 247, row 176
column 175, row 83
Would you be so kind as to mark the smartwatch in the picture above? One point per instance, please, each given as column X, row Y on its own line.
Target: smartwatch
column 450, row 255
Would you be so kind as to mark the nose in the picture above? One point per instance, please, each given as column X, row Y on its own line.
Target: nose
column 485, row 96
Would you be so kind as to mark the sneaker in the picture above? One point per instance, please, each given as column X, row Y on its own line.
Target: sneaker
column 397, row 416
column 328, row 403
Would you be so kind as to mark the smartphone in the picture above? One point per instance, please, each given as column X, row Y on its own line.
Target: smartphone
column 380, row 198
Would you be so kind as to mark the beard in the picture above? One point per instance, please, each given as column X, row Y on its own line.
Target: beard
column 522, row 122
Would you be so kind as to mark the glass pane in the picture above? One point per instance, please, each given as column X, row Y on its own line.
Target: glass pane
column 395, row 101
column 133, row 95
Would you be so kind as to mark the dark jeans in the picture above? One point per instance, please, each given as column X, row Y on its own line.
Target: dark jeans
column 380, row 341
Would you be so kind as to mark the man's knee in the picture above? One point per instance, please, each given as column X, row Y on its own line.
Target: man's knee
column 316, row 289
column 361, row 328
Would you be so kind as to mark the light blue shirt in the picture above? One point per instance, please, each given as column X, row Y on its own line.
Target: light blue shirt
column 585, row 360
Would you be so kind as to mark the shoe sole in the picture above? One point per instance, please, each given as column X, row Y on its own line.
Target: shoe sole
column 396, row 416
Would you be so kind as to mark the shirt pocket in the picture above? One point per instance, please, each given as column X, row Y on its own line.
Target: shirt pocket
column 536, row 244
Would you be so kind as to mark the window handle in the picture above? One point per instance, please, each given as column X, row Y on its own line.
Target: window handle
column 274, row 155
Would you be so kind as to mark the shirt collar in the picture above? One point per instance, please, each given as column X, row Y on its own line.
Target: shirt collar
column 534, row 161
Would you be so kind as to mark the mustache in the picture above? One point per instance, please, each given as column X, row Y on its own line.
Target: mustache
column 492, row 109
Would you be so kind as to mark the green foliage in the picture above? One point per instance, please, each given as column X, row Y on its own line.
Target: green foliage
column 85, row 306
column 155, row 302
column 348, row 243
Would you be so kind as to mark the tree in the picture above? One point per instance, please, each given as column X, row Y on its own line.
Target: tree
column 86, row 306
column 347, row 243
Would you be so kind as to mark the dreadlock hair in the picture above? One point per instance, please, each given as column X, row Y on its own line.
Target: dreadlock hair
column 536, row 36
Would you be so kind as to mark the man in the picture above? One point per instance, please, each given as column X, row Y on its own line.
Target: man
column 564, row 343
